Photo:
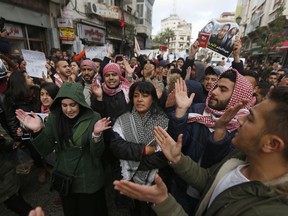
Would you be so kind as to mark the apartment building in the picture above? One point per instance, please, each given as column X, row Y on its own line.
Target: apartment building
column 182, row 30
column 259, row 16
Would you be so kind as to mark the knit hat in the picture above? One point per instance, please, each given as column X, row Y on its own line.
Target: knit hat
column 112, row 67
column 90, row 63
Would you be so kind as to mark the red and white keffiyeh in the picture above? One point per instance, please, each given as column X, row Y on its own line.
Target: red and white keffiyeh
column 124, row 83
column 124, row 86
column 243, row 89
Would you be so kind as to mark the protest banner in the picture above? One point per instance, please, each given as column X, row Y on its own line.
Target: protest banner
column 95, row 52
column 36, row 62
column 223, row 34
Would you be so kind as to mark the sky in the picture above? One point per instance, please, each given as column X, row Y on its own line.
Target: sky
column 196, row 12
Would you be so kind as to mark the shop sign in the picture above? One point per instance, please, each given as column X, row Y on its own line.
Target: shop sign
column 14, row 30
column 67, row 34
column 108, row 11
column 92, row 34
column 64, row 22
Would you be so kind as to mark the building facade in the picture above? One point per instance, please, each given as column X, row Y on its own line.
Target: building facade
column 71, row 25
column 182, row 30
column 27, row 23
column 258, row 21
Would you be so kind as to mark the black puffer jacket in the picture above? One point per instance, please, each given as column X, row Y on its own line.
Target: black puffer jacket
column 9, row 106
column 8, row 121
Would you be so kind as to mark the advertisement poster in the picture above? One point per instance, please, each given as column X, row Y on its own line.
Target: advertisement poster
column 67, row 34
column 223, row 33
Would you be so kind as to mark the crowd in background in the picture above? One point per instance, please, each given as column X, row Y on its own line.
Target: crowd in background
column 102, row 116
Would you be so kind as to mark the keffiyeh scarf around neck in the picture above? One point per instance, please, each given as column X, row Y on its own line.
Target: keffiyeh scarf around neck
column 243, row 89
column 133, row 128
column 124, row 86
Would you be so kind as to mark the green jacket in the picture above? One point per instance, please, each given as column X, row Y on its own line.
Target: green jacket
column 89, row 175
column 247, row 199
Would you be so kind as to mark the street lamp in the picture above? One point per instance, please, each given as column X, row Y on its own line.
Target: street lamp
column 238, row 20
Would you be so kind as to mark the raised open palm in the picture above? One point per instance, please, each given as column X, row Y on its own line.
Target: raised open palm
column 101, row 125
column 31, row 121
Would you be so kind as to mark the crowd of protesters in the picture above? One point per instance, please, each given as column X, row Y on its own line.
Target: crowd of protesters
column 103, row 125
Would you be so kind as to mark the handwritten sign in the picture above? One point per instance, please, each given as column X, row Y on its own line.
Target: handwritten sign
column 95, row 52
column 36, row 62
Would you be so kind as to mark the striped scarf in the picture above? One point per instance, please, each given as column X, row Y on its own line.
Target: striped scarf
column 133, row 128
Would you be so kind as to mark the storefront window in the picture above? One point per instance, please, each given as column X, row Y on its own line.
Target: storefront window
column 26, row 37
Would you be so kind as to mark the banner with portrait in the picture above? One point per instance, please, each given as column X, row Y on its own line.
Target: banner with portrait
column 223, row 33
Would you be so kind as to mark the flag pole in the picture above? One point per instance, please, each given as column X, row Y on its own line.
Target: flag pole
column 122, row 24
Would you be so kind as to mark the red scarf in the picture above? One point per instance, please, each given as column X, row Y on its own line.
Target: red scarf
column 243, row 89
column 45, row 109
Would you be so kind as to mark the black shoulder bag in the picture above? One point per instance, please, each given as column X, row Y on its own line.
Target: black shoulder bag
column 62, row 182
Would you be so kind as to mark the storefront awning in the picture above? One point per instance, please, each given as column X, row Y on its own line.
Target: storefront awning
column 283, row 46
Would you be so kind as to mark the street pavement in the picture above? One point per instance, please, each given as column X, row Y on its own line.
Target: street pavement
column 37, row 195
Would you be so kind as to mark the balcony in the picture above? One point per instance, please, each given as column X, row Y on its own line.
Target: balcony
column 251, row 27
column 142, row 29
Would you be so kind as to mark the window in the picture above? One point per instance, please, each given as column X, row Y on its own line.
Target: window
column 140, row 10
column 139, row 21
column 149, row 15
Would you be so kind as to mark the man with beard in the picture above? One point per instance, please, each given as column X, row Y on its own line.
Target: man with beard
column 198, row 126
column 63, row 72
column 250, row 181
column 89, row 74
column 111, row 100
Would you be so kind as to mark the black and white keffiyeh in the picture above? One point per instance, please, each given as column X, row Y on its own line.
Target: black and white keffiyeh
column 132, row 128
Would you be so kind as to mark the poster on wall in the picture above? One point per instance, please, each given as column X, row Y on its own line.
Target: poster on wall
column 223, row 33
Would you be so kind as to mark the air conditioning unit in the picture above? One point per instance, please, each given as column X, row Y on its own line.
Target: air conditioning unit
column 128, row 9
column 92, row 8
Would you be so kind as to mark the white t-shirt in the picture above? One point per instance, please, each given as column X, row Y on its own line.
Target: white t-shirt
column 232, row 178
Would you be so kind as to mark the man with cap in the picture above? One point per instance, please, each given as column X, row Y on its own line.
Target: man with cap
column 89, row 74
